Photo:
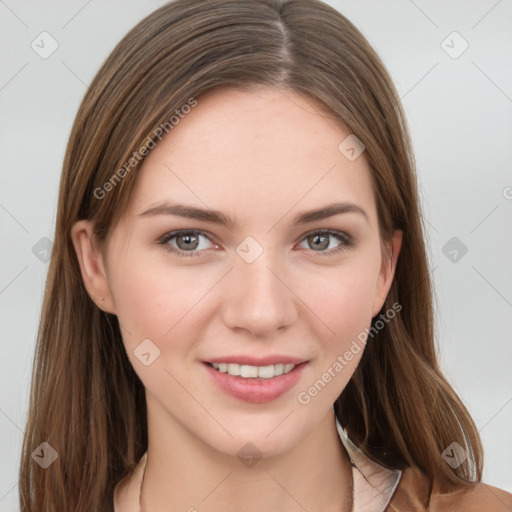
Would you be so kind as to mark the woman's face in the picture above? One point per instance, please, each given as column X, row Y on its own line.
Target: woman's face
column 271, row 290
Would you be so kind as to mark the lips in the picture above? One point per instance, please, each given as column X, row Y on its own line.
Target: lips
column 251, row 388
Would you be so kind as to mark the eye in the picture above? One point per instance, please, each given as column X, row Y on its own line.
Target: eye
column 188, row 242
column 321, row 240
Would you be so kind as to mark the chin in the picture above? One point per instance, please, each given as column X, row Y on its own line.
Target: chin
column 254, row 445
column 266, row 434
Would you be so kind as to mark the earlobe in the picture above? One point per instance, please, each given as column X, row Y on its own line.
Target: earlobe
column 92, row 266
column 387, row 271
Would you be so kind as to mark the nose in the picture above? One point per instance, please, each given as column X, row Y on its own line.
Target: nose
column 259, row 300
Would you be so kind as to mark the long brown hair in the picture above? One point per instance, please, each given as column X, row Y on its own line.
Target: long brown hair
column 86, row 400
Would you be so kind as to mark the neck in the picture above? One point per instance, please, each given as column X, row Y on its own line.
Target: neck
column 181, row 474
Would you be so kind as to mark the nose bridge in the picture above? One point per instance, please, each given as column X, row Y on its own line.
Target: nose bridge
column 260, row 300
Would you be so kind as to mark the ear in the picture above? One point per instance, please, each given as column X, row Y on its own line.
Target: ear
column 92, row 265
column 387, row 271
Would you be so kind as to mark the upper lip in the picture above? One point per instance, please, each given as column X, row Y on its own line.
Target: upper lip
column 257, row 361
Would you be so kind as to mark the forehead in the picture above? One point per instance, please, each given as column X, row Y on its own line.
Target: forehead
column 262, row 150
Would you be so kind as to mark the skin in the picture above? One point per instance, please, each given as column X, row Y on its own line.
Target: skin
column 261, row 156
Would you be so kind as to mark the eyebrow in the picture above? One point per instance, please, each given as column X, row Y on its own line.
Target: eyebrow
column 217, row 217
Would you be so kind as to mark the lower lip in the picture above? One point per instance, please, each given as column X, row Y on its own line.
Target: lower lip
column 256, row 390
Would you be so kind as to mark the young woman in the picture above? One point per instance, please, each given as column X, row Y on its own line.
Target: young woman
column 238, row 309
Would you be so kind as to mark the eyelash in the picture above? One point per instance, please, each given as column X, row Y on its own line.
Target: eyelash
column 347, row 242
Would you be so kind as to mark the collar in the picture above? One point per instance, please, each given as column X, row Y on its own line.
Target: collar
column 374, row 485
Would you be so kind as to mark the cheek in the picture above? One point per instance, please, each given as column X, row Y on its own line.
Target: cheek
column 139, row 302
column 343, row 299
column 343, row 302
column 157, row 301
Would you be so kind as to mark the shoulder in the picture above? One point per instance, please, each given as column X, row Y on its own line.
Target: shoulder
column 479, row 498
column 413, row 494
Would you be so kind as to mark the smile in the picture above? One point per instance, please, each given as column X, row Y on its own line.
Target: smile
column 248, row 372
column 254, row 384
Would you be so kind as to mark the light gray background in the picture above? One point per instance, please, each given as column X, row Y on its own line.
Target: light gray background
column 459, row 111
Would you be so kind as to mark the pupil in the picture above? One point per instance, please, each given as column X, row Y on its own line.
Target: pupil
column 187, row 239
column 318, row 243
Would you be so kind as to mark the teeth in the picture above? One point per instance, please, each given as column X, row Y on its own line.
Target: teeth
column 266, row 372
column 246, row 371
column 234, row 369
